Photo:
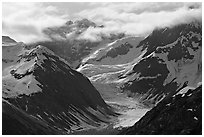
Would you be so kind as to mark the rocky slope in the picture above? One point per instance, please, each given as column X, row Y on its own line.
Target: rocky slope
column 39, row 84
column 180, row 114
column 17, row 122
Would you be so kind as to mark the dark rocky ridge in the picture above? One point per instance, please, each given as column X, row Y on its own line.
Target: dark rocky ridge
column 123, row 49
column 175, row 115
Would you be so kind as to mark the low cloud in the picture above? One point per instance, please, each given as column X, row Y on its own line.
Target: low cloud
column 138, row 19
column 26, row 21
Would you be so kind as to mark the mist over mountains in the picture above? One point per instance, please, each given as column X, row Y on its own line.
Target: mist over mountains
column 26, row 22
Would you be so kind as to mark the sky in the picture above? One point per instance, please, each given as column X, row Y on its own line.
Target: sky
column 26, row 21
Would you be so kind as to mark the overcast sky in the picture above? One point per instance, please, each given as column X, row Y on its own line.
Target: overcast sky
column 25, row 21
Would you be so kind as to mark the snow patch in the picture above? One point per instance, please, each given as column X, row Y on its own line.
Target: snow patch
column 195, row 118
column 184, row 90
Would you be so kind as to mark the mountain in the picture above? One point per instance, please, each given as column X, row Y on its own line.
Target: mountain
column 180, row 114
column 172, row 60
column 84, row 23
column 41, row 85
column 66, row 41
column 165, row 61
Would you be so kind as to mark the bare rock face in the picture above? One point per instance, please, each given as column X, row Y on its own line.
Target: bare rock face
column 42, row 86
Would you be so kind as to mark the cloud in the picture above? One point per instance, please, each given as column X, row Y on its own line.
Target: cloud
column 26, row 21
column 138, row 18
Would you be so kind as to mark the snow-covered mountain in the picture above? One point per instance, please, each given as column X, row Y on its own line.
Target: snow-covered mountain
column 172, row 60
column 41, row 85
column 66, row 42
column 169, row 58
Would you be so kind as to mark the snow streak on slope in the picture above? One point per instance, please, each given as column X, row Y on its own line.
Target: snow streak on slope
column 95, row 53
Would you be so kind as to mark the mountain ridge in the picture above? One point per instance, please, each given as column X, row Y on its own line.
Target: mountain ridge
column 44, row 86
column 180, row 114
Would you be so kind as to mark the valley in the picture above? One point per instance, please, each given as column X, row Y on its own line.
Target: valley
column 128, row 109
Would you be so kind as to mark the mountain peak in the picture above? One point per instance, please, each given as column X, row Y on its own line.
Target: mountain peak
column 42, row 49
column 69, row 22
column 26, row 62
column 85, row 23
